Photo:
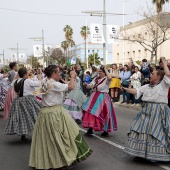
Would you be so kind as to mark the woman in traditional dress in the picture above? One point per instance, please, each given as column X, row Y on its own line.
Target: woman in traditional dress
column 98, row 110
column 149, row 135
column 56, row 140
column 11, row 74
column 11, row 95
column 25, row 107
column 74, row 101
column 115, row 84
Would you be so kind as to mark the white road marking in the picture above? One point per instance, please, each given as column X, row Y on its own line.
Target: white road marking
column 122, row 148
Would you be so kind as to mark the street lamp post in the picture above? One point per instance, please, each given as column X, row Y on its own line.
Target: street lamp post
column 102, row 13
column 123, row 51
column 104, row 31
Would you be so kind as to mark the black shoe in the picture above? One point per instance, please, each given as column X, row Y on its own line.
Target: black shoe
column 90, row 131
column 78, row 121
column 24, row 139
column 105, row 134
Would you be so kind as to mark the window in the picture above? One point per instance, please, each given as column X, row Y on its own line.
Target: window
column 133, row 54
column 139, row 35
column 97, row 51
column 145, row 53
column 139, row 53
column 92, row 51
column 128, row 54
column 118, row 56
column 88, row 51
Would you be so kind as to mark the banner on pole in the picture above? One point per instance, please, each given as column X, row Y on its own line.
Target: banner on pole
column 96, row 31
column 22, row 58
column 112, row 33
column 73, row 60
column 38, row 51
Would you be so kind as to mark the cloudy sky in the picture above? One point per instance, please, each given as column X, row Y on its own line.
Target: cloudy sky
column 19, row 26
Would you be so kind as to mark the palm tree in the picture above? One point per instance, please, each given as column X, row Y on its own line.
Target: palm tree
column 159, row 4
column 68, row 35
column 64, row 45
column 94, row 58
column 84, row 33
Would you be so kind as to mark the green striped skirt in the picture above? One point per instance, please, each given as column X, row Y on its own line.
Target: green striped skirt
column 56, row 141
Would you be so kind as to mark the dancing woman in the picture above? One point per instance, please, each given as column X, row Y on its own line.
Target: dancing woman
column 74, row 101
column 98, row 110
column 57, row 141
column 149, row 135
column 25, row 107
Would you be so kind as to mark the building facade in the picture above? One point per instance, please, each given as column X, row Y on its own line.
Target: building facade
column 78, row 51
column 123, row 50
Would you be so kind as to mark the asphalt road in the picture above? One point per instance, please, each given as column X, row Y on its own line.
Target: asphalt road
column 107, row 154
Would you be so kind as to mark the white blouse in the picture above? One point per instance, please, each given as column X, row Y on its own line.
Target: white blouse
column 29, row 86
column 158, row 93
column 55, row 95
column 104, row 87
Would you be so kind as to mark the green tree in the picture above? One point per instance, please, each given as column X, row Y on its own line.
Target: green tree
column 68, row 35
column 94, row 58
column 64, row 45
column 33, row 61
column 84, row 33
column 57, row 56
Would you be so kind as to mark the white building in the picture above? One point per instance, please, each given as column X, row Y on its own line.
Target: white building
column 123, row 51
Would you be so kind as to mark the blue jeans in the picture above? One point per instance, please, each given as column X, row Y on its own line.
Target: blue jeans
column 136, row 101
column 126, row 96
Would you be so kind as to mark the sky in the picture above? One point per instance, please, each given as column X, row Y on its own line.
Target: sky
column 18, row 27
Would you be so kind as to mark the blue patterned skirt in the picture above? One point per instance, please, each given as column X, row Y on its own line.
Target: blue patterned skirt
column 149, row 136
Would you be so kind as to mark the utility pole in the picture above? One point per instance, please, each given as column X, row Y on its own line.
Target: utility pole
column 104, row 32
column 100, row 14
column 43, row 49
column 17, row 53
column 3, row 54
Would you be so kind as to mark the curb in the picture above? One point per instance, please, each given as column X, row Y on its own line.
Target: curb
column 128, row 106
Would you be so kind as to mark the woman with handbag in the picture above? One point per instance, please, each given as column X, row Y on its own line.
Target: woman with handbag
column 125, row 82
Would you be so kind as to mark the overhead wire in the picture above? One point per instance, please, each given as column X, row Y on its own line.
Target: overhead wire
column 45, row 13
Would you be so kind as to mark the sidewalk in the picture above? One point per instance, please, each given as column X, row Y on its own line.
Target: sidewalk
column 128, row 106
